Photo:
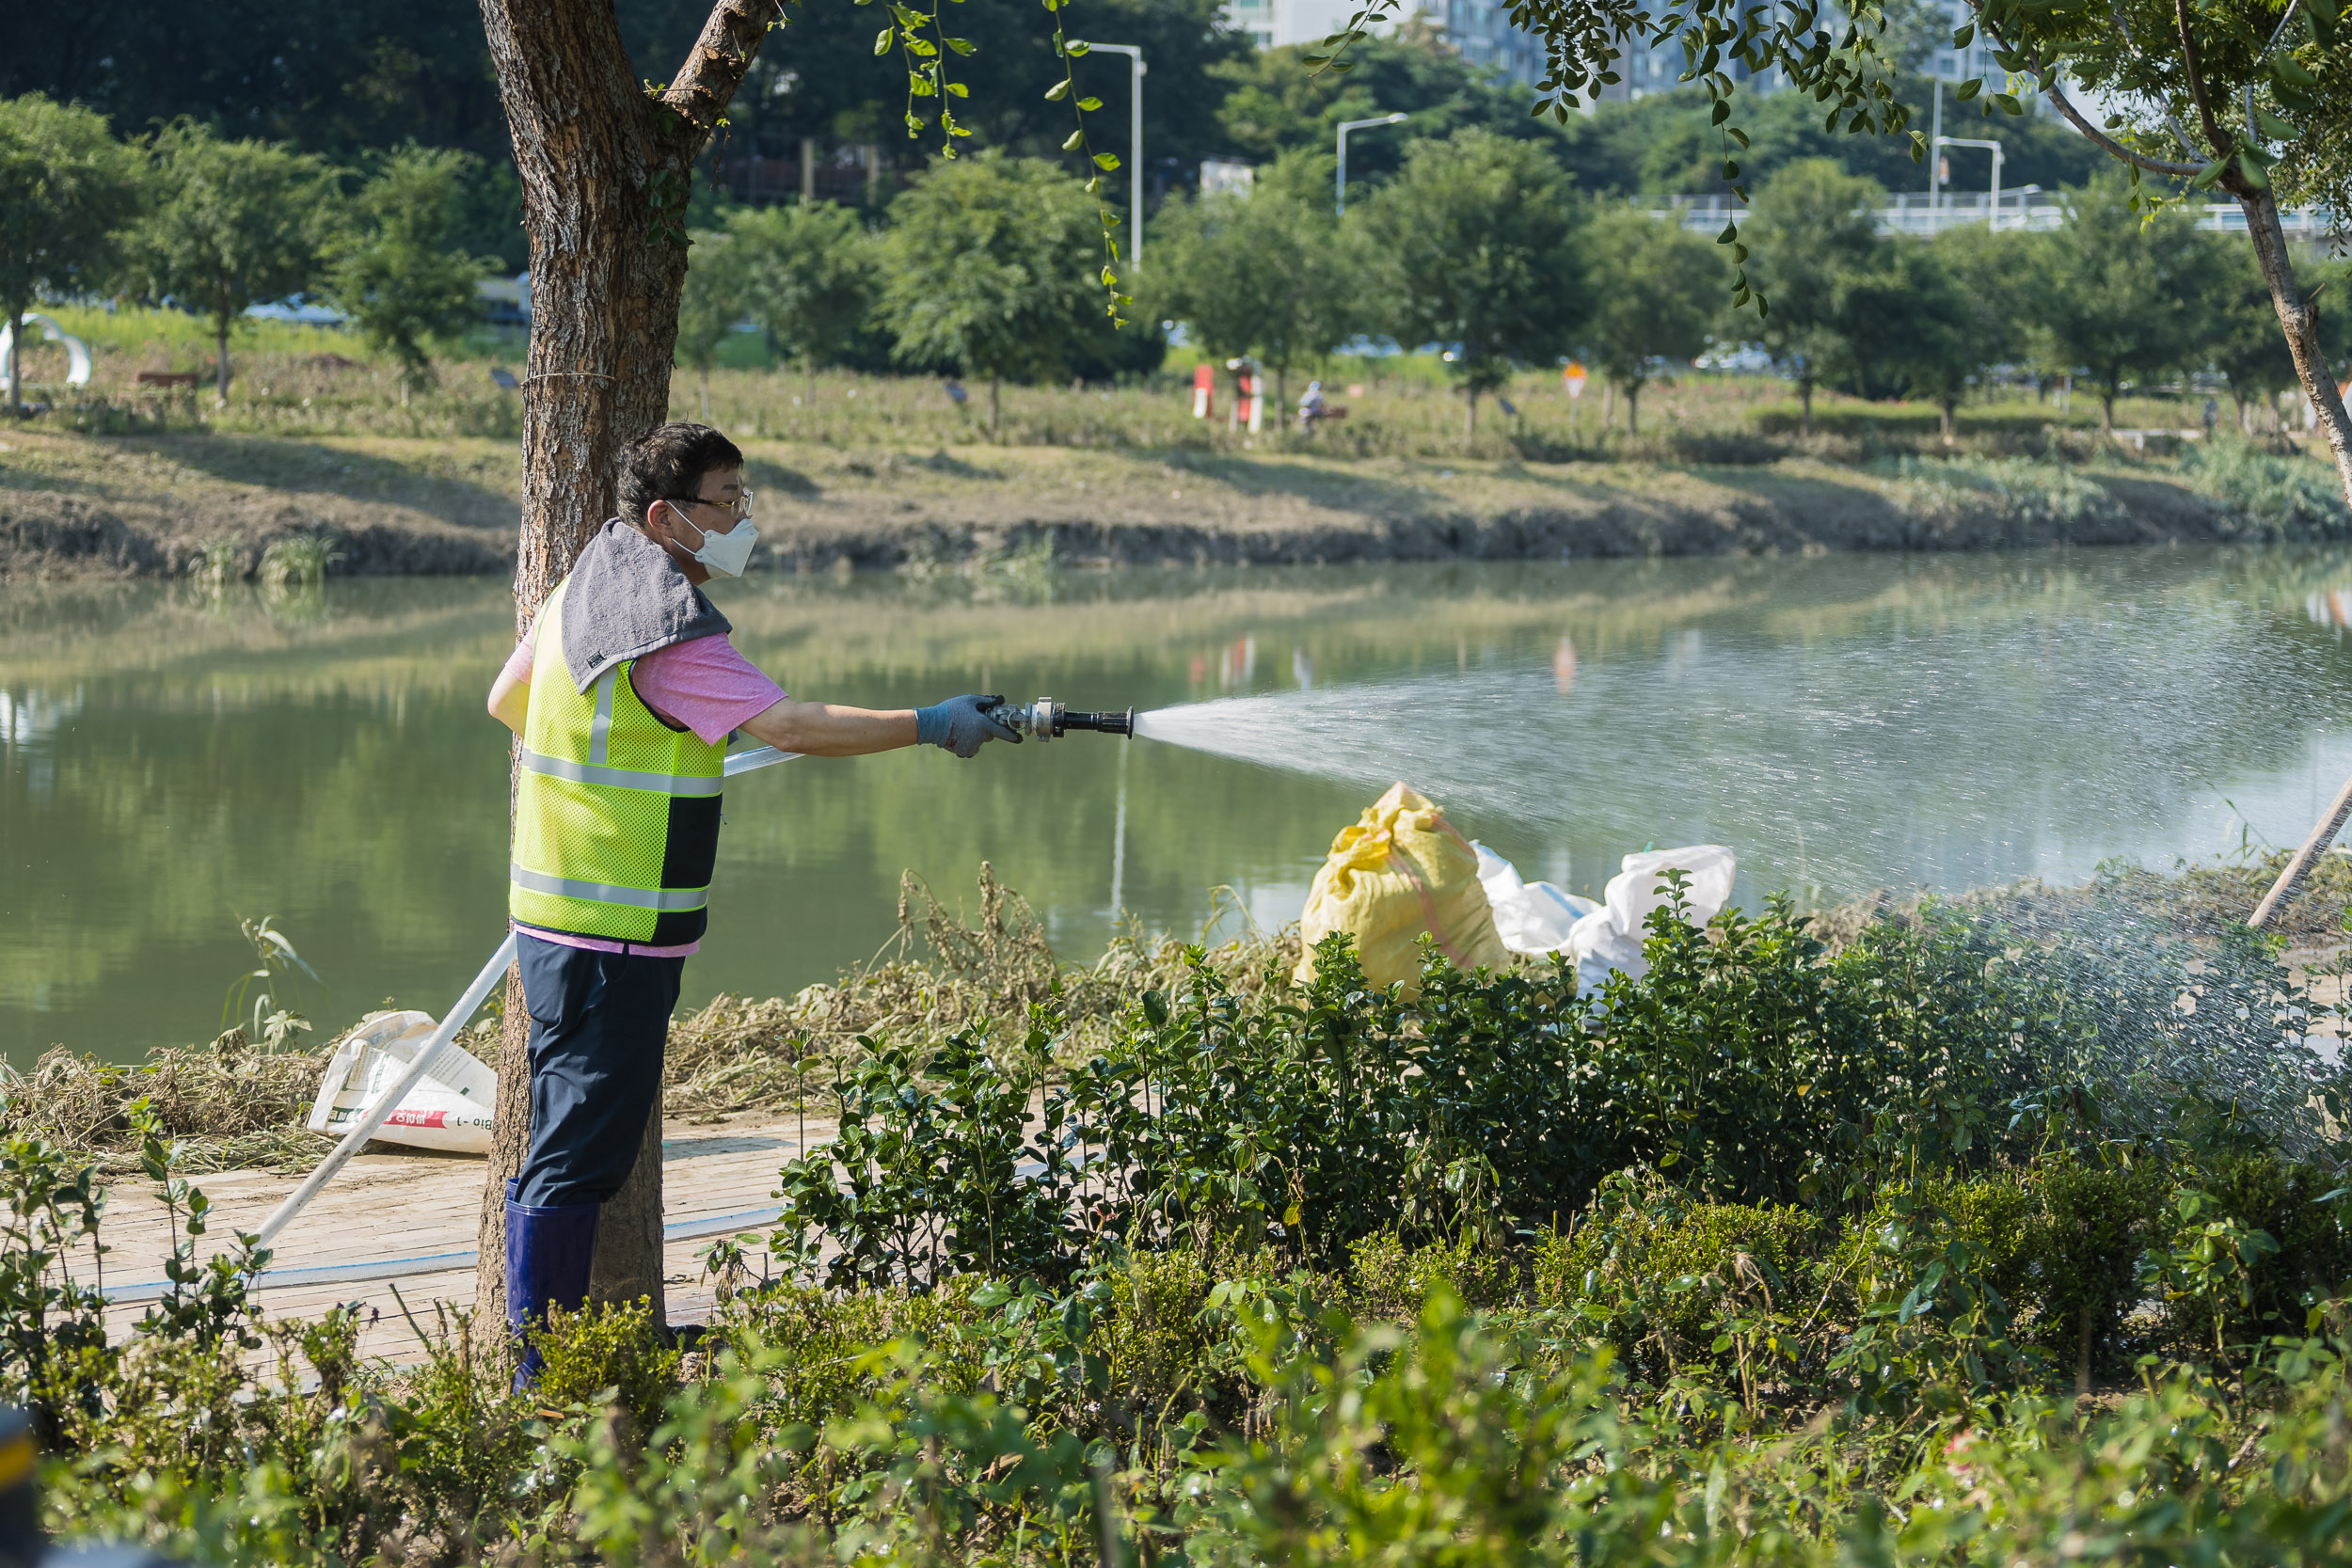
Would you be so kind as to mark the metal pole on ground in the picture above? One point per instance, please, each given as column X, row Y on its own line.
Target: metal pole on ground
column 2323, row 834
column 467, row 1005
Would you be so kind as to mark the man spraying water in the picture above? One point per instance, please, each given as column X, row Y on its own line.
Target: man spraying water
column 624, row 692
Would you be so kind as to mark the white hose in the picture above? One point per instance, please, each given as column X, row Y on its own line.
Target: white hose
column 452, row 1020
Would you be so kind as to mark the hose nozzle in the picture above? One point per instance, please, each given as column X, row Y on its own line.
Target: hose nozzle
column 1045, row 718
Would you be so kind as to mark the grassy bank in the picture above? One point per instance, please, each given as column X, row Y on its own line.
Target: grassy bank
column 152, row 504
column 1965, row 1239
column 891, row 472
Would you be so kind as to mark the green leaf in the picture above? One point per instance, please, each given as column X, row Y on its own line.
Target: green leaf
column 1090, row 104
column 1077, row 137
column 2205, row 177
column 2292, row 71
column 961, row 46
column 1107, row 161
column 2008, row 101
column 1731, row 170
column 959, row 90
column 1963, row 35
column 2277, row 129
column 1059, row 91
column 1076, row 47
column 2251, row 165
column 882, row 40
column 1969, row 89
column 2323, row 16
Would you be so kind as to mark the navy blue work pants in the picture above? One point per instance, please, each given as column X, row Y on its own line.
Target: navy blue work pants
column 598, row 1023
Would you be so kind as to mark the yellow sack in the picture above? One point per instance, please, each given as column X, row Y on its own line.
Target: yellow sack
column 1401, row 870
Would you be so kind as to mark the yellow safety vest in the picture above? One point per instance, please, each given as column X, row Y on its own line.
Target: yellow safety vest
column 616, row 814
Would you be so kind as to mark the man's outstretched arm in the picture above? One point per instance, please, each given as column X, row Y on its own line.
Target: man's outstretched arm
column 829, row 730
column 959, row 724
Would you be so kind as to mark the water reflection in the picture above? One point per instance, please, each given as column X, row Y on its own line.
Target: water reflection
column 170, row 761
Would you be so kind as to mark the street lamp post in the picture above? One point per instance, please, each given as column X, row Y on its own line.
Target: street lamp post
column 1135, row 143
column 1345, row 126
column 1993, row 218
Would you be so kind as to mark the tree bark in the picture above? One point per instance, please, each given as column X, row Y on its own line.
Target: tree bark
column 605, row 169
column 16, row 360
column 2299, row 320
column 220, row 361
column 996, row 408
column 1633, row 408
column 1805, row 399
column 1469, row 417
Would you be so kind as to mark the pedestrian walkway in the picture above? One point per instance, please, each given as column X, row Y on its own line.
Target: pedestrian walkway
column 407, row 1222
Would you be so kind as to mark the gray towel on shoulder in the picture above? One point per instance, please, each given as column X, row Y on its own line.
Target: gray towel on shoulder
column 626, row 598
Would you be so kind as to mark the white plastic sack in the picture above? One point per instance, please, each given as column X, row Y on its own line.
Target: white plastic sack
column 1531, row 917
column 453, row 1109
column 1606, row 936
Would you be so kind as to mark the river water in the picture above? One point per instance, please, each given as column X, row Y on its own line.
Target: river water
column 170, row 760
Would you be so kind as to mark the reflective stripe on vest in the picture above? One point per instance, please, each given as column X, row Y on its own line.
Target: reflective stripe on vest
column 621, row 777
column 605, row 893
column 616, row 813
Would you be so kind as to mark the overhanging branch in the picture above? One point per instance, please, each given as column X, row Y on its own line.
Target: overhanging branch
column 716, row 65
column 2056, row 95
column 2220, row 140
column 2112, row 147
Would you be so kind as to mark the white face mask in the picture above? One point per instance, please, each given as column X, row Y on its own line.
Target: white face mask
column 727, row 554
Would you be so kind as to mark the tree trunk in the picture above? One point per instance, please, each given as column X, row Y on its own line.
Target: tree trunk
column 1469, row 416
column 2300, row 322
column 1805, row 399
column 16, row 360
column 605, row 174
column 1608, row 406
column 1943, row 413
column 220, row 361
column 996, row 407
column 2107, row 409
column 1633, row 408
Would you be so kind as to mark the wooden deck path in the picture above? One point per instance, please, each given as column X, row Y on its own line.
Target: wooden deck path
column 420, row 1209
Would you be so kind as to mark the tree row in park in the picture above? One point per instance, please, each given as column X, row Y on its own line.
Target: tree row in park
column 366, row 79
column 1481, row 244
column 217, row 226
column 984, row 267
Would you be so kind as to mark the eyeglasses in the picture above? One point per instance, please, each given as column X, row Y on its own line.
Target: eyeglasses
column 741, row 507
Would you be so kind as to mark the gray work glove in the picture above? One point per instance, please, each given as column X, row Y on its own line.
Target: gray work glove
column 961, row 724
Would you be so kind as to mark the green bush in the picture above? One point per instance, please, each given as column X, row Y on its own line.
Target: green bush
column 2278, row 497
column 2094, row 1216
column 1392, row 1281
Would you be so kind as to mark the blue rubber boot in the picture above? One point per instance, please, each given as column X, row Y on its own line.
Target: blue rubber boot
column 547, row 1254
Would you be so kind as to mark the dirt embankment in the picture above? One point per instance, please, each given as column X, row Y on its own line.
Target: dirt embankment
column 77, row 506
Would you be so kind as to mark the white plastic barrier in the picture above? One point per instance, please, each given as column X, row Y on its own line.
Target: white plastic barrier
column 77, row 361
column 1537, row 917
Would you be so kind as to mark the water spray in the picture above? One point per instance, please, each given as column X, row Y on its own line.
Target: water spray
column 1046, row 719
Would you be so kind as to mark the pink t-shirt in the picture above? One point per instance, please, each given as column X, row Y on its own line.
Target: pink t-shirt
column 705, row 685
